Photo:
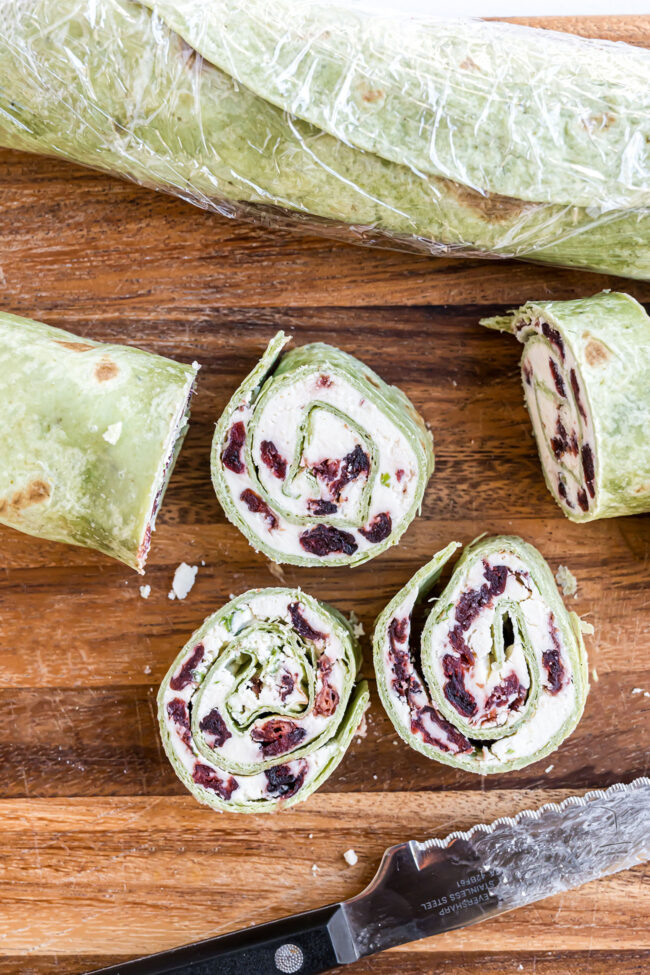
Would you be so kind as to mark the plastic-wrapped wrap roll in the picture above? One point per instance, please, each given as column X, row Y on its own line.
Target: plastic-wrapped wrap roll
column 500, row 677
column 89, row 435
column 586, row 377
column 261, row 704
column 495, row 164
column 316, row 460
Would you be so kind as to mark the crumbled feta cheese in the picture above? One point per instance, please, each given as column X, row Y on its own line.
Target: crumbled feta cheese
column 566, row 581
column 350, row 857
column 357, row 626
column 594, row 675
column 145, row 591
column 183, row 581
column 147, row 669
column 113, row 433
column 637, row 690
column 196, row 365
column 549, row 769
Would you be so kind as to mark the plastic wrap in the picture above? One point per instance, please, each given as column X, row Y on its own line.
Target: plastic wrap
column 499, row 679
column 262, row 703
column 586, row 376
column 317, row 460
column 89, row 435
column 449, row 137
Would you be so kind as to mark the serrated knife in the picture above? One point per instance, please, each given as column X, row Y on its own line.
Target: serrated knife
column 422, row 889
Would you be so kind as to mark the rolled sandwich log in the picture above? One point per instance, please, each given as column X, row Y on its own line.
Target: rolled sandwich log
column 317, row 460
column 586, row 376
column 499, row 678
column 89, row 435
column 108, row 84
column 262, row 703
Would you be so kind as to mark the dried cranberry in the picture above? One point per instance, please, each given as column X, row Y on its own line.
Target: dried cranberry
column 582, row 499
column 404, row 681
column 273, row 459
column 214, row 725
column 209, row 779
column 340, row 473
column 301, row 626
column 471, row 602
column 185, row 676
column 454, row 689
column 557, row 378
column 553, row 663
column 283, row 781
column 231, row 456
column 528, row 374
column 277, row 736
column 379, row 528
column 553, row 337
column 327, row 540
column 561, row 490
column 318, row 506
column 457, row 640
column 399, row 474
column 510, row 687
column 177, row 711
column 588, row 468
column 576, row 392
column 287, row 684
column 327, row 699
column 560, row 442
column 457, row 739
column 398, row 630
column 324, row 381
column 327, row 470
column 254, row 503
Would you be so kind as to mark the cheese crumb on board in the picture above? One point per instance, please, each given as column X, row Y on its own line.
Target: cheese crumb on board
column 145, row 591
column 350, row 857
column 566, row 581
column 183, row 580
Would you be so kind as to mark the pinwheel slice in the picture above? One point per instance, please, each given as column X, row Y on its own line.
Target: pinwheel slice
column 89, row 435
column 262, row 703
column 317, row 460
column 499, row 679
column 586, row 377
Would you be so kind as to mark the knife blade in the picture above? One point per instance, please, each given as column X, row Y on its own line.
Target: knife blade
column 425, row 888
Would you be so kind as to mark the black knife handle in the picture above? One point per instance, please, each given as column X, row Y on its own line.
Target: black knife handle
column 298, row 945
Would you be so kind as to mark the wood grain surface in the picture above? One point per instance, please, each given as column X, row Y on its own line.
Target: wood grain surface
column 102, row 854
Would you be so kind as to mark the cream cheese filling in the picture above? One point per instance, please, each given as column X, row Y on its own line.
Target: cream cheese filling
column 562, row 424
column 345, row 420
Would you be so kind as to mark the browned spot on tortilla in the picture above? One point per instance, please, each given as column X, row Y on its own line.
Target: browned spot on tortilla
column 489, row 205
column 469, row 65
column 602, row 121
column 596, row 352
column 373, row 95
column 75, row 346
column 642, row 488
column 35, row 492
column 105, row 369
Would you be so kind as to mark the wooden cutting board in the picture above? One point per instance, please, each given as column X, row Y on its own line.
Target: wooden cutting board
column 102, row 853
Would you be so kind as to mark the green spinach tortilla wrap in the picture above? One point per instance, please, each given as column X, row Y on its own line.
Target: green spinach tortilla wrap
column 262, row 703
column 89, row 435
column 586, row 375
column 116, row 86
column 498, row 678
column 317, row 460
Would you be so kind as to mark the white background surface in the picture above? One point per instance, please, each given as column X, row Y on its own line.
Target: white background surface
column 513, row 8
